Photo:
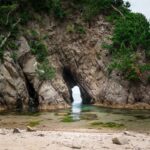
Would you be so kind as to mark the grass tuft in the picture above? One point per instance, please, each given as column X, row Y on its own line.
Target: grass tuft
column 107, row 124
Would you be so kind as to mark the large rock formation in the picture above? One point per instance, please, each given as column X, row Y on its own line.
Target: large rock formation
column 87, row 61
column 13, row 90
column 78, row 59
column 44, row 93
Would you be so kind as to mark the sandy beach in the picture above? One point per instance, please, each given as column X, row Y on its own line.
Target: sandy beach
column 68, row 140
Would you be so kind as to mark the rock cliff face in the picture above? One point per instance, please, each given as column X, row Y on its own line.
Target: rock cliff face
column 78, row 59
column 44, row 94
column 13, row 89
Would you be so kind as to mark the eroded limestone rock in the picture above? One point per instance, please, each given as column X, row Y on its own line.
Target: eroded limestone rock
column 13, row 90
column 120, row 140
column 49, row 93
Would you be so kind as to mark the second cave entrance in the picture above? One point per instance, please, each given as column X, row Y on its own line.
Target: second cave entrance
column 72, row 80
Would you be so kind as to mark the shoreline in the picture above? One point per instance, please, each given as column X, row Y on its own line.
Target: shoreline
column 68, row 140
column 136, row 106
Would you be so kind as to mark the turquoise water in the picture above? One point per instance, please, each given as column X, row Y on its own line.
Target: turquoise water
column 91, row 117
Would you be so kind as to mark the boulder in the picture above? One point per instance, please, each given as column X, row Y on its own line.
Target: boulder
column 49, row 97
column 16, row 130
column 120, row 140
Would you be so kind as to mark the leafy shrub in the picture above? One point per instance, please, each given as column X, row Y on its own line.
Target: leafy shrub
column 41, row 5
column 68, row 119
column 57, row 9
column 34, row 123
column 39, row 49
column 5, row 19
column 130, row 34
column 80, row 29
column 14, row 56
column 75, row 28
column 45, row 71
column 92, row 8
column 127, row 30
column 107, row 124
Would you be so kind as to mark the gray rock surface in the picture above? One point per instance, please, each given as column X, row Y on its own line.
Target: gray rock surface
column 48, row 96
column 82, row 55
column 16, row 130
column 13, row 90
column 120, row 140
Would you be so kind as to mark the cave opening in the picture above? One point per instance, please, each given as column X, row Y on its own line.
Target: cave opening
column 33, row 102
column 71, row 81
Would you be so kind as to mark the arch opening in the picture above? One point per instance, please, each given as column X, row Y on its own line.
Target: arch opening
column 71, row 80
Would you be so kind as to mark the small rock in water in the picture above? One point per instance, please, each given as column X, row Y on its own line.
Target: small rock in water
column 120, row 140
column 30, row 129
column 16, row 130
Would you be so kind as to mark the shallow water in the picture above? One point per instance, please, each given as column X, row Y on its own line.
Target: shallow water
column 134, row 120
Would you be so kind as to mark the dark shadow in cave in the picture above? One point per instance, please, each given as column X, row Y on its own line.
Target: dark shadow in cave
column 71, row 81
column 33, row 97
column 2, row 101
column 19, row 105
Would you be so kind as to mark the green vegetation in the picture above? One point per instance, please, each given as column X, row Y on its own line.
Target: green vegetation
column 39, row 49
column 130, row 35
column 107, row 124
column 14, row 56
column 90, row 8
column 75, row 28
column 19, row 12
column 37, row 45
column 88, row 116
column 45, row 71
column 34, row 123
column 9, row 24
column 68, row 119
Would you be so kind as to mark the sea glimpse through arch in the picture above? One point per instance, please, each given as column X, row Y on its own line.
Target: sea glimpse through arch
column 77, row 103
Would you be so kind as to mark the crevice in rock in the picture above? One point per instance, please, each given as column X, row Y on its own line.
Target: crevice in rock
column 33, row 96
column 19, row 105
column 2, row 102
column 138, row 100
column 71, row 81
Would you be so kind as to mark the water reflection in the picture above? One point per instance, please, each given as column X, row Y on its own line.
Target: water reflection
column 77, row 103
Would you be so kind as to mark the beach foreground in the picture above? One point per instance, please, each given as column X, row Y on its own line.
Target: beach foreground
column 67, row 140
